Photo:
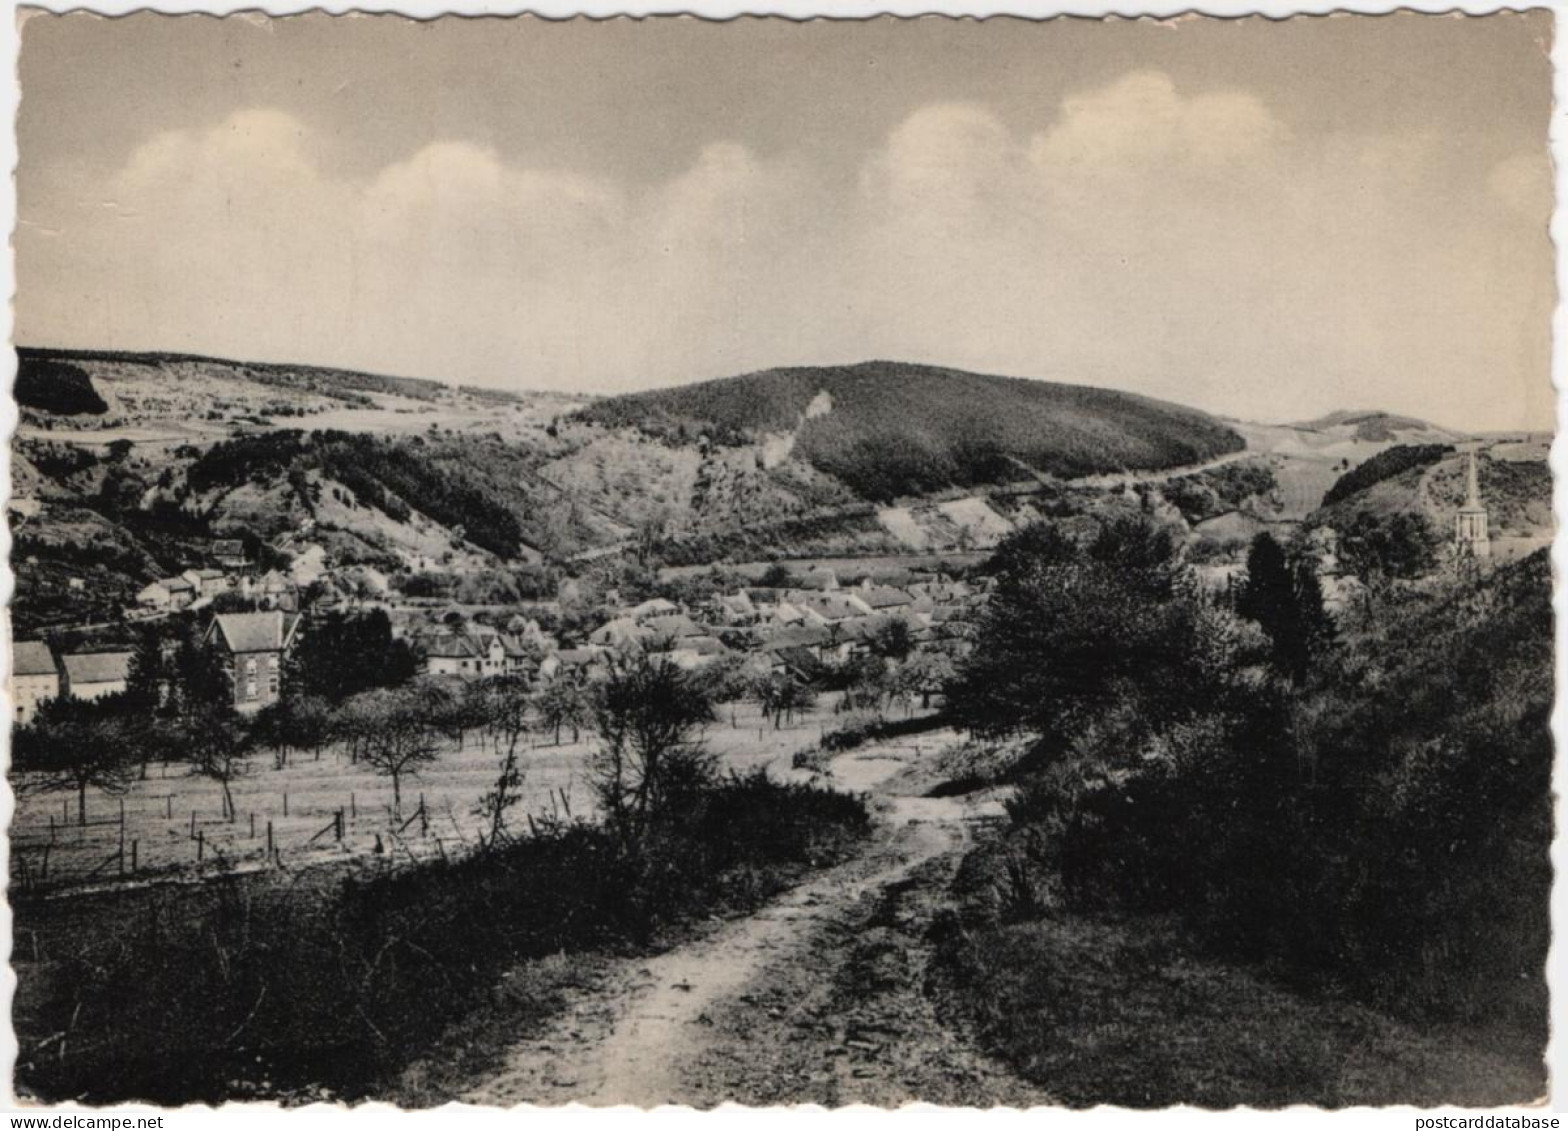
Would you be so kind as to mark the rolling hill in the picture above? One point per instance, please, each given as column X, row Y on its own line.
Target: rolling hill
column 1429, row 481
column 890, row 430
column 1379, row 427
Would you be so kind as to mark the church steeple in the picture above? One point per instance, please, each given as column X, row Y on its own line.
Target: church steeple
column 1471, row 538
column 1472, row 485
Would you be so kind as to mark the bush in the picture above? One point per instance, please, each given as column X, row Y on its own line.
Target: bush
column 252, row 986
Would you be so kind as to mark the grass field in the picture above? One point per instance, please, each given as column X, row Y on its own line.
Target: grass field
column 163, row 811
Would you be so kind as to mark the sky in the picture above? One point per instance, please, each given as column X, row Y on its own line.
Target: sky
column 1266, row 219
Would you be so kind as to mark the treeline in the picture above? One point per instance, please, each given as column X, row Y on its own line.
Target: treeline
column 56, row 386
column 1385, row 465
column 1363, row 804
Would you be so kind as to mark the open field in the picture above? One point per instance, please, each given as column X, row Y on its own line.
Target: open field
column 164, row 812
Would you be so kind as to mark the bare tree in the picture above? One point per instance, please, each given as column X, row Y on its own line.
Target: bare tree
column 402, row 737
column 508, row 712
column 75, row 745
column 563, row 703
column 212, row 742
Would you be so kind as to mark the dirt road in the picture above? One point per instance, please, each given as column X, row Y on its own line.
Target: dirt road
column 816, row 998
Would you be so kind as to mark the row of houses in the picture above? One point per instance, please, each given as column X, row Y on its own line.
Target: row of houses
column 251, row 647
column 794, row 629
column 37, row 676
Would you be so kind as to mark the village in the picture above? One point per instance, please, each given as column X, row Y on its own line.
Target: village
column 795, row 654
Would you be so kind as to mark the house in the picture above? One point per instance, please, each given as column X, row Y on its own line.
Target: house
column 273, row 591
column 92, row 675
column 206, row 582
column 691, row 652
column 829, row 608
column 520, row 655
column 450, row 653
column 251, row 647
column 229, row 553
column 169, row 593
column 674, row 627
column 826, row 645
column 802, row 663
column 35, row 679
column 882, row 597
column 735, row 609
column 579, row 665
column 155, row 596
column 653, row 607
column 468, row 655
column 621, row 633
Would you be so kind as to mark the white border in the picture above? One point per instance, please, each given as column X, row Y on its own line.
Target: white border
column 322, row 1117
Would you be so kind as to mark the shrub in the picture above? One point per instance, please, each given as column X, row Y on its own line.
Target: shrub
column 256, row 987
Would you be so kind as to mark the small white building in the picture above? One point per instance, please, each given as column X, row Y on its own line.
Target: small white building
column 35, row 678
column 92, row 675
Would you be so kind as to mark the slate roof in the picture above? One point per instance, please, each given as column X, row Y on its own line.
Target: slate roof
column 96, row 667
column 449, row 646
column 796, row 636
column 32, row 657
column 885, row 597
column 255, row 632
column 677, row 626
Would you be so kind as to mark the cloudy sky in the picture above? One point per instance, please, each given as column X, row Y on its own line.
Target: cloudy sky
column 1265, row 219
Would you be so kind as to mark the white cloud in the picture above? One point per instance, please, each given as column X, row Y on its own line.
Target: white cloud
column 1181, row 243
column 1142, row 120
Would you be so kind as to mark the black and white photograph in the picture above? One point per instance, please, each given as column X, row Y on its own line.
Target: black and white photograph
column 673, row 561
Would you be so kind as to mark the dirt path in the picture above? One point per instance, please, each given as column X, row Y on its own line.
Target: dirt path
column 816, row 998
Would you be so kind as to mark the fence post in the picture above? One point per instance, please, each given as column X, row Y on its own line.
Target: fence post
column 285, row 803
column 134, row 843
column 337, row 825
column 51, row 828
column 169, row 813
column 269, row 839
column 424, row 817
column 353, row 806
column 201, row 845
column 193, row 822
column 253, row 825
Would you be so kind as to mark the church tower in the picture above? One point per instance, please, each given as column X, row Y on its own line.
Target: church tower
column 1470, row 534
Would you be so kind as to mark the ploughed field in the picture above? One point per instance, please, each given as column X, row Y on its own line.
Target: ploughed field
column 174, row 818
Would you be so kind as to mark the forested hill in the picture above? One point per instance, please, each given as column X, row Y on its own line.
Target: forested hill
column 888, row 429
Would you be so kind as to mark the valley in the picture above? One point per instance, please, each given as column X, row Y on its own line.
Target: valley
column 787, row 465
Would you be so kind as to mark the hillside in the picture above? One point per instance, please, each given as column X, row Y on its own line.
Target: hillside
column 1380, row 427
column 1428, row 481
column 889, row 430
column 342, row 384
